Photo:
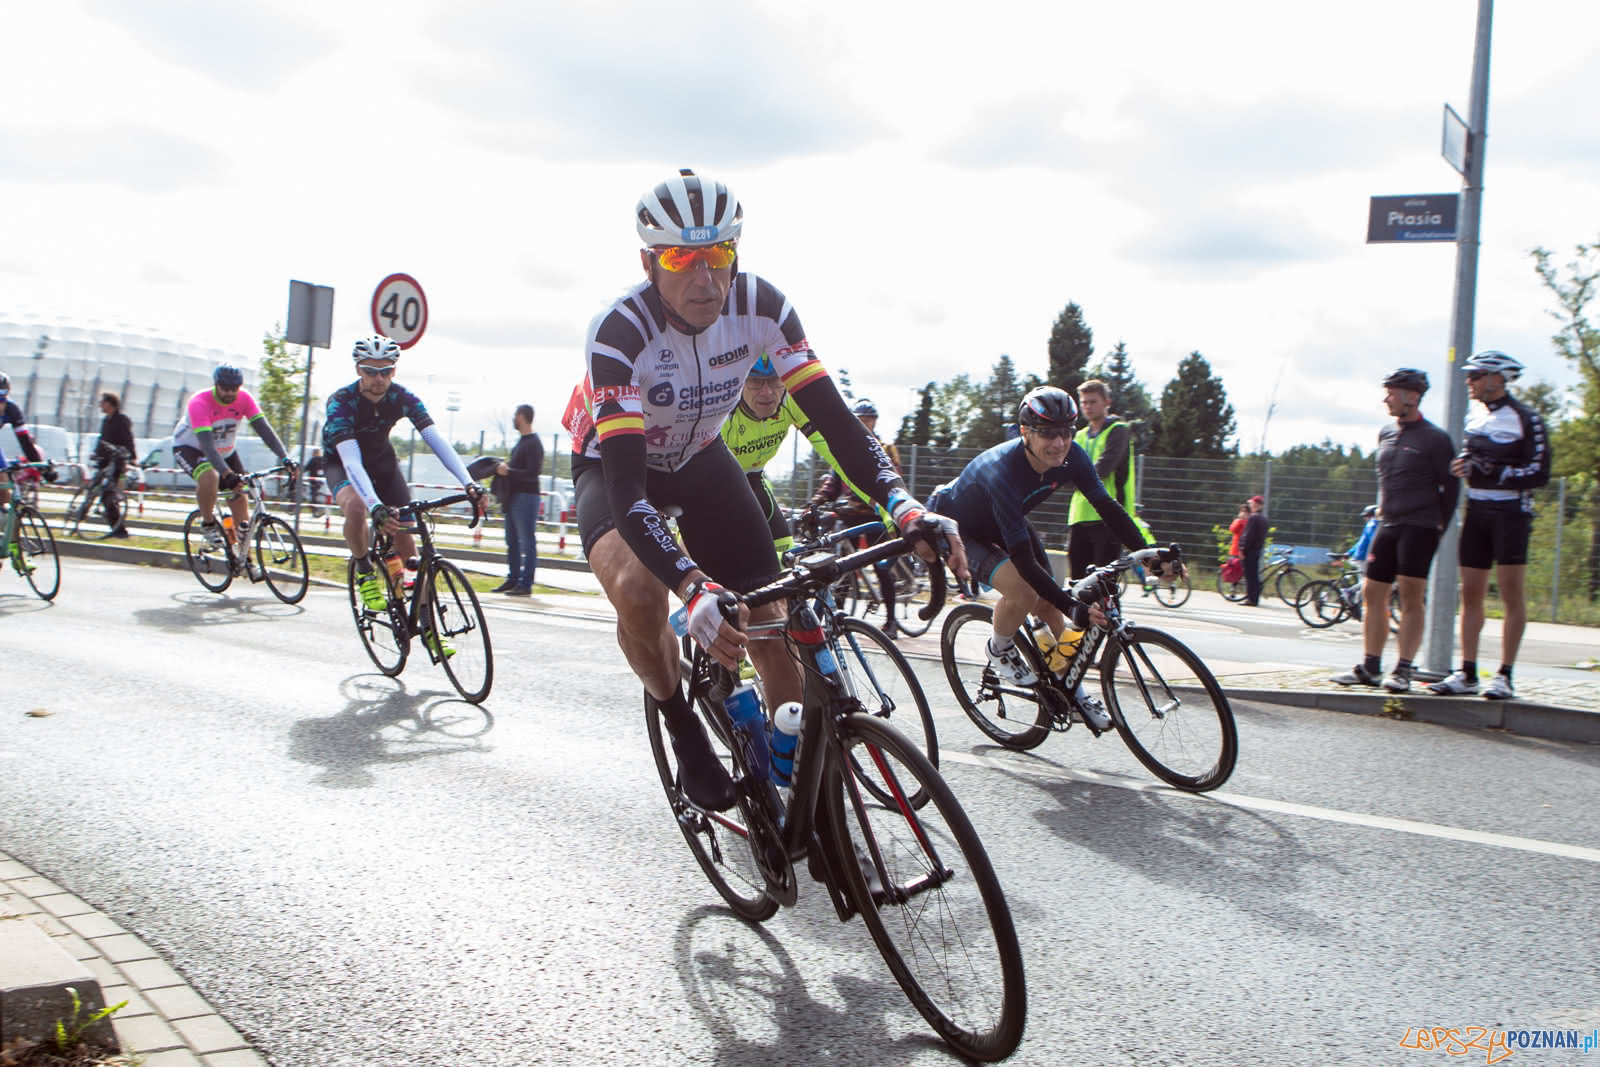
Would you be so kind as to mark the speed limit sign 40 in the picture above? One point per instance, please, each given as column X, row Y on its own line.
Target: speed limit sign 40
column 399, row 310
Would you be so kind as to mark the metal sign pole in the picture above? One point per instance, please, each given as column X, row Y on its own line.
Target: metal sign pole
column 1442, row 589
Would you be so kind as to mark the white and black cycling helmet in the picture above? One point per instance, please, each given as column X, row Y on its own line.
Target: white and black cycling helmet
column 1048, row 406
column 376, row 347
column 687, row 210
column 864, row 407
column 1492, row 362
column 1407, row 378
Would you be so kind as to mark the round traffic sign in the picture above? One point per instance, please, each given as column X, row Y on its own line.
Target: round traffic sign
column 399, row 310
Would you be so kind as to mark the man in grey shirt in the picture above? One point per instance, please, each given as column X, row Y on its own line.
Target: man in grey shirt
column 1416, row 498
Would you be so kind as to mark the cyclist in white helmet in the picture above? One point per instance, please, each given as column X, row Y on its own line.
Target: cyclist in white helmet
column 362, row 469
column 1504, row 457
column 666, row 363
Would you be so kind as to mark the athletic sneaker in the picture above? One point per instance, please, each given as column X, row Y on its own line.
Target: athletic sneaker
column 1357, row 675
column 1093, row 712
column 1499, row 688
column 1399, row 680
column 20, row 562
column 213, row 534
column 374, row 597
column 442, row 649
column 1458, row 684
column 1010, row 665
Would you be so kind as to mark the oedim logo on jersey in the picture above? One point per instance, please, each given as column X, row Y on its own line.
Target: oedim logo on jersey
column 729, row 357
column 700, row 233
column 606, row 393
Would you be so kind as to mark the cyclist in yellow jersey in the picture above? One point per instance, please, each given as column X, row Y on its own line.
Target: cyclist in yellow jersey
column 755, row 431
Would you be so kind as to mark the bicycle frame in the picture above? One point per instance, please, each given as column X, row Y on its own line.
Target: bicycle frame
column 415, row 604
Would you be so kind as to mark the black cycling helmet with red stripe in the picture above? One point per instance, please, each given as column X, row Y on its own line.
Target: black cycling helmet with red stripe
column 1048, row 406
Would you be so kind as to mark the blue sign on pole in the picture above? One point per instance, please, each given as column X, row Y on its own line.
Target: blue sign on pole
column 1430, row 217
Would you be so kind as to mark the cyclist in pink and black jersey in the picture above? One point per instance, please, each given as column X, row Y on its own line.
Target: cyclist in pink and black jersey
column 204, row 443
column 666, row 363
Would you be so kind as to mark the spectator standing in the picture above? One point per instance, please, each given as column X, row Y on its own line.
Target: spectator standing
column 1090, row 541
column 1416, row 497
column 1235, row 528
column 314, row 476
column 521, row 473
column 112, row 452
column 1252, row 542
column 1505, row 456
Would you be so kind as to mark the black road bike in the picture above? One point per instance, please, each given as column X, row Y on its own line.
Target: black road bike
column 89, row 503
column 266, row 550
column 443, row 612
column 870, row 818
column 26, row 544
column 1163, row 700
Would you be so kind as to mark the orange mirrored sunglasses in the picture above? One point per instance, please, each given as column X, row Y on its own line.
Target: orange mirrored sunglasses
column 719, row 256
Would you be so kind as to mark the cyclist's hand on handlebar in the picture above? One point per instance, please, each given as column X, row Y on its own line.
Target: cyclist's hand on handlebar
column 917, row 523
column 710, row 626
column 479, row 500
column 50, row 474
column 228, row 480
column 383, row 519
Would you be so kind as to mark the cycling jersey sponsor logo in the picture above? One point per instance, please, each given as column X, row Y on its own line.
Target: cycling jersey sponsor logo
column 760, row 444
column 725, row 358
column 665, row 355
column 656, row 436
column 798, row 347
column 606, row 393
column 691, row 397
column 660, row 395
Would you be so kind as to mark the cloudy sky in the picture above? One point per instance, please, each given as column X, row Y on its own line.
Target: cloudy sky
column 929, row 183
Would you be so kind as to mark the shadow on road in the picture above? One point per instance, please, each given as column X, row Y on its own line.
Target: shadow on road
column 195, row 608
column 747, row 992
column 383, row 724
column 25, row 602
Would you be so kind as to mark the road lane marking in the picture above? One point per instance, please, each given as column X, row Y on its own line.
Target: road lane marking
column 1284, row 807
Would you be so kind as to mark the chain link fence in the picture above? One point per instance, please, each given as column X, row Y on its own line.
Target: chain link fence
column 1315, row 509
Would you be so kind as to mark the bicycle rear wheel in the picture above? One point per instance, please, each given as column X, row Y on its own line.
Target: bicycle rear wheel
column 1234, row 591
column 282, row 560
column 720, row 840
column 452, row 613
column 73, row 517
column 209, row 562
column 1169, row 709
column 384, row 634
column 911, row 591
column 36, row 550
column 1012, row 715
column 1290, row 585
column 879, row 676
column 926, row 891
column 1321, row 604
column 1174, row 593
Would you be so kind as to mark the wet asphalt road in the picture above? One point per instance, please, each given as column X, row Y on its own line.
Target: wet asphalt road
column 361, row 871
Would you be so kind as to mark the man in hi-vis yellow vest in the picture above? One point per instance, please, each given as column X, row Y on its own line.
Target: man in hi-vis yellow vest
column 1109, row 443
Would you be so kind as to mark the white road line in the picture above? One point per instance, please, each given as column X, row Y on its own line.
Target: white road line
column 1284, row 807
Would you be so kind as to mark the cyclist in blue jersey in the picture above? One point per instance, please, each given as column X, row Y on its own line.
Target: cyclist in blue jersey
column 990, row 501
column 362, row 469
column 666, row 364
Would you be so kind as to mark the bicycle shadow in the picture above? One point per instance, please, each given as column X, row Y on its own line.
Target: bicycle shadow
column 748, row 993
column 383, row 724
column 22, row 601
column 1254, row 860
column 197, row 608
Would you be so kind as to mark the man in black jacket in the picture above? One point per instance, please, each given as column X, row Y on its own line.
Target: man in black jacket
column 520, row 478
column 1251, row 544
column 112, row 453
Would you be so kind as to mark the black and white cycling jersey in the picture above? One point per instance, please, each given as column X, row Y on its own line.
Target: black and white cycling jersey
column 1508, row 451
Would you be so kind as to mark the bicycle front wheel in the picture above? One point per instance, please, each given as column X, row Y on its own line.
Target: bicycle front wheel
column 1012, row 715
column 926, row 891
column 878, row 675
column 36, row 552
column 209, row 562
column 1321, row 604
column 282, row 560
column 453, row 616
column 722, row 841
column 384, row 634
column 1169, row 709
column 1290, row 585
column 76, row 512
column 1174, row 593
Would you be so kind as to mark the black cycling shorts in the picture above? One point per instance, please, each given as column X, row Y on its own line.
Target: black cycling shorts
column 194, row 462
column 1401, row 551
column 387, row 481
column 777, row 522
column 1495, row 531
column 722, row 526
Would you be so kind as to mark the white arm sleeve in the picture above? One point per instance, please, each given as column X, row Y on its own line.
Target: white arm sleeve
column 447, row 455
column 350, row 459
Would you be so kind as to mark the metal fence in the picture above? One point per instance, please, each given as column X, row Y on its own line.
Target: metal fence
column 1316, row 509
